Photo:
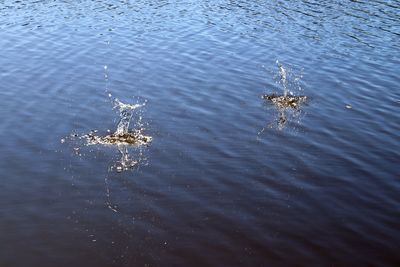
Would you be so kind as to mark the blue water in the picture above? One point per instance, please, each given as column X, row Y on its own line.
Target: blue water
column 221, row 183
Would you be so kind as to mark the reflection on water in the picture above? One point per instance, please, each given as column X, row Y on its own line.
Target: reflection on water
column 129, row 159
column 126, row 162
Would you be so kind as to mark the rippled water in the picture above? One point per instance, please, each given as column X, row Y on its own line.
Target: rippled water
column 221, row 184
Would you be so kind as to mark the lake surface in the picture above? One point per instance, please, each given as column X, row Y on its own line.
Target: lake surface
column 224, row 181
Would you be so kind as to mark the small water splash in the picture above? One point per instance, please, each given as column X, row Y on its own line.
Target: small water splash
column 287, row 104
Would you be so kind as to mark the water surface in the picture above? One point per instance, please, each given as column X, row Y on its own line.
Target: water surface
column 221, row 184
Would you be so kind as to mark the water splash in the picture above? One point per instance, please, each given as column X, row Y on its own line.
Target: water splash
column 123, row 137
column 287, row 104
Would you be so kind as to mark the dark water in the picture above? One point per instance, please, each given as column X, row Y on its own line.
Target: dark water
column 221, row 184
